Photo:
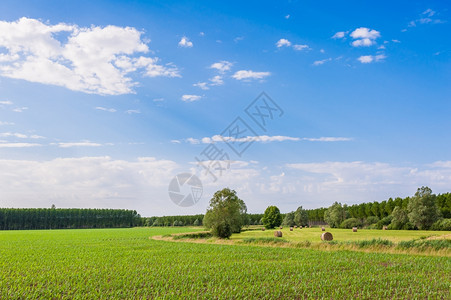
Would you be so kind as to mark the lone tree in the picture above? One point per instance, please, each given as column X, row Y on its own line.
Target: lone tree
column 301, row 217
column 422, row 208
column 226, row 214
column 335, row 214
column 272, row 217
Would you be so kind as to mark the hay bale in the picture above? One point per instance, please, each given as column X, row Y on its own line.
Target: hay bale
column 263, row 229
column 300, row 227
column 278, row 233
column 280, row 227
column 327, row 236
column 295, row 226
column 354, row 229
column 291, row 228
column 323, row 229
column 385, row 228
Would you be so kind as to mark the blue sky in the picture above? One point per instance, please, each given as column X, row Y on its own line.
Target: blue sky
column 102, row 103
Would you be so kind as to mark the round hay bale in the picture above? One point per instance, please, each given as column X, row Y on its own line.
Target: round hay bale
column 354, row 229
column 291, row 228
column 295, row 226
column 263, row 229
column 300, row 227
column 323, row 229
column 280, row 227
column 327, row 236
column 385, row 228
column 278, row 233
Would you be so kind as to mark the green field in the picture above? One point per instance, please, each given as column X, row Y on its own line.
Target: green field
column 125, row 263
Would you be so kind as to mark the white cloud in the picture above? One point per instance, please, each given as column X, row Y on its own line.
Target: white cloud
column 248, row 74
column 18, row 145
column 7, row 102
column 283, row 43
column 142, row 184
column 321, row 62
column 364, row 37
column 20, row 109
column 365, row 59
column 300, row 47
column 79, row 144
column 222, row 66
column 96, row 182
column 20, row 135
column 426, row 17
column 339, row 35
column 106, row 109
column 217, row 80
column 190, row 98
column 133, row 111
column 93, row 60
column 429, row 12
column 158, row 100
column 6, row 123
column 263, row 139
column 202, row 85
column 287, row 17
column 185, row 42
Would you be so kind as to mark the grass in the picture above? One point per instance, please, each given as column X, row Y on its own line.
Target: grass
column 125, row 263
column 313, row 234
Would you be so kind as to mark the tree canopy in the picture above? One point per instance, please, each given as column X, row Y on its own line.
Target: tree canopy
column 226, row 213
column 272, row 217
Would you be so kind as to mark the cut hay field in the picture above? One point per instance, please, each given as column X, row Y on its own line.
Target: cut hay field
column 125, row 263
column 313, row 234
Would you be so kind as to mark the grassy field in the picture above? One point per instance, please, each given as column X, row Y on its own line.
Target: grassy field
column 314, row 234
column 125, row 263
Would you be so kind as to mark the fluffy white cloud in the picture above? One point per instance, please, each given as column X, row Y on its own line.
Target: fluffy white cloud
column 300, row 47
column 191, row 98
column 283, row 43
column 222, row 66
column 6, row 102
column 142, row 184
column 249, row 74
column 185, row 42
column 93, row 60
column 366, row 59
column 339, row 35
column 87, row 182
column 202, row 85
column 364, row 37
column 217, row 80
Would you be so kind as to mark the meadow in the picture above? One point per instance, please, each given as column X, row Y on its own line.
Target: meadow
column 126, row 263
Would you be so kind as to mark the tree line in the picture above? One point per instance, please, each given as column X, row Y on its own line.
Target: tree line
column 66, row 218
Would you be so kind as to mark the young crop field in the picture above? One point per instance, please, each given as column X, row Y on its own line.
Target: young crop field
column 126, row 263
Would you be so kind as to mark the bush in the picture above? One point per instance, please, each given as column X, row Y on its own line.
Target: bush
column 349, row 223
column 384, row 222
column 222, row 230
column 371, row 220
column 443, row 224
